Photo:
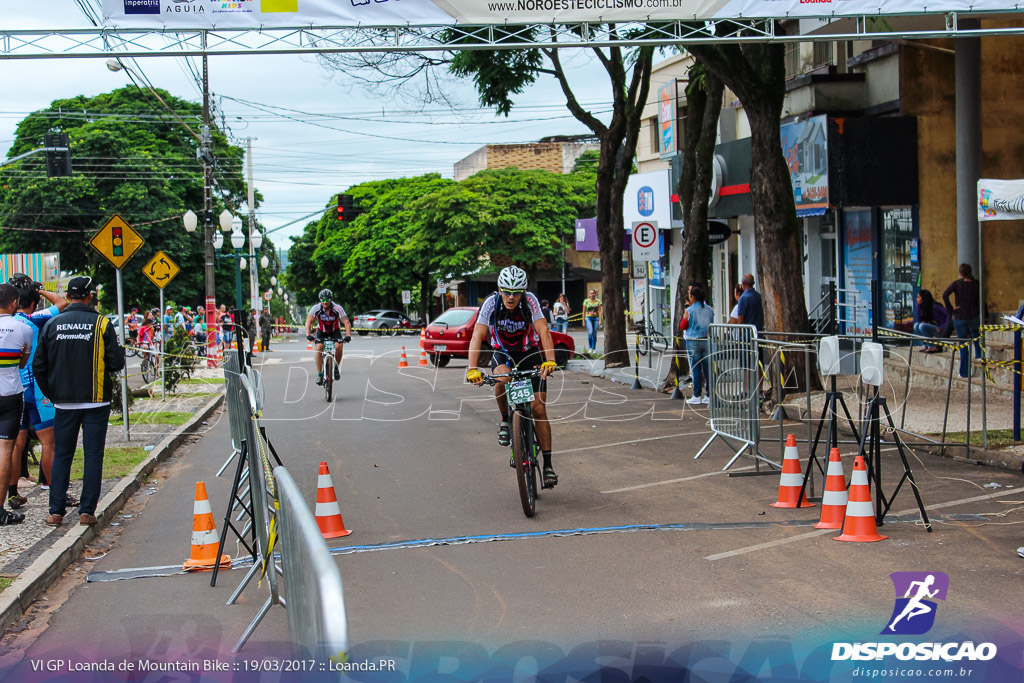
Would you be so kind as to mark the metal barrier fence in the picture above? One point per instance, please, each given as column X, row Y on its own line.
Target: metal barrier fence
column 733, row 376
column 317, row 626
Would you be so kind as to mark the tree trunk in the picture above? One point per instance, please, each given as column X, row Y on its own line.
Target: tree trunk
column 611, row 186
column 756, row 73
column 703, row 107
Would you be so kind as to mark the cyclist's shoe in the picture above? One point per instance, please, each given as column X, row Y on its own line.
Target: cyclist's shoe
column 550, row 478
column 504, row 435
column 337, row 374
column 320, row 380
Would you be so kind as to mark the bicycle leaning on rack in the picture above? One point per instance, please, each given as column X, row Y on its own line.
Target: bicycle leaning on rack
column 525, row 449
column 649, row 338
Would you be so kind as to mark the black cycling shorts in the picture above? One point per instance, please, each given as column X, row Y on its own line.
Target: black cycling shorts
column 11, row 409
column 528, row 360
column 336, row 335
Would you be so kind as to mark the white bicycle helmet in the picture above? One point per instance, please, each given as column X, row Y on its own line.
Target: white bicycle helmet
column 512, row 278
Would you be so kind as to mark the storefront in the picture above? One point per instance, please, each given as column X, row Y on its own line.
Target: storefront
column 855, row 188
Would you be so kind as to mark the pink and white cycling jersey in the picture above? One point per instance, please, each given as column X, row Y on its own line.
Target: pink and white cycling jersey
column 510, row 330
column 329, row 319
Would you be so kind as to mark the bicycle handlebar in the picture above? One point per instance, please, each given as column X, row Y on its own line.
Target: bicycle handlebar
column 515, row 373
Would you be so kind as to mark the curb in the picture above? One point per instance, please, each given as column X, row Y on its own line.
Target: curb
column 20, row 595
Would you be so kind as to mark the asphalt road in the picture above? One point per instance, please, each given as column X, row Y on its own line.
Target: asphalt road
column 413, row 456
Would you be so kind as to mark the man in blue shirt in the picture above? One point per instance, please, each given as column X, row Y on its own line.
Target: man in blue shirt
column 751, row 311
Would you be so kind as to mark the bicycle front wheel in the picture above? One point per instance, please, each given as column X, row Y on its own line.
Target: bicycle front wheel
column 658, row 342
column 526, row 470
column 329, row 378
column 148, row 370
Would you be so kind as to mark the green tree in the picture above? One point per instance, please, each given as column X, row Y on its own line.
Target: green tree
column 131, row 157
column 502, row 74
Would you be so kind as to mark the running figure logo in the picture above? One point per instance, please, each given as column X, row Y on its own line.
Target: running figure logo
column 914, row 612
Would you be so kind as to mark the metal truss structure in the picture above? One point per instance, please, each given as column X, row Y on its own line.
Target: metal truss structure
column 107, row 42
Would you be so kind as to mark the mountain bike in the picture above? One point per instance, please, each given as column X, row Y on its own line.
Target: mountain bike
column 525, row 449
column 329, row 362
column 648, row 338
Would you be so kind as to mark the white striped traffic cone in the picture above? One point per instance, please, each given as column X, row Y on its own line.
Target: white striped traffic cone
column 205, row 540
column 328, row 512
column 792, row 479
column 859, row 525
column 834, row 499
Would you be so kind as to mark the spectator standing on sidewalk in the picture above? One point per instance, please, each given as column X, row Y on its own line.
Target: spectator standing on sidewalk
column 698, row 317
column 751, row 309
column 966, row 313
column 78, row 351
column 561, row 312
column 734, row 314
column 227, row 330
column 266, row 330
column 250, row 327
column 592, row 317
column 15, row 346
column 38, row 412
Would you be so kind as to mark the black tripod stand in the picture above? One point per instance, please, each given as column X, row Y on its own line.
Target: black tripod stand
column 829, row 411
column 871, row 449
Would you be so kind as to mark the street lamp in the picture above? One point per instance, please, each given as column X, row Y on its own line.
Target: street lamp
column 255, row 242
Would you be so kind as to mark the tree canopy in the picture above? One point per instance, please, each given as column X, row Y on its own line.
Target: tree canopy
column 133, row 157
column 411, row 231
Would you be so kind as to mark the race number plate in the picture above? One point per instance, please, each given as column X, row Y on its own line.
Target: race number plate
column 520, row 392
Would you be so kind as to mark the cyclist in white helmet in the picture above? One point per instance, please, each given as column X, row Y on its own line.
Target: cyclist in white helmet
column 328, row 317
column 518, row 333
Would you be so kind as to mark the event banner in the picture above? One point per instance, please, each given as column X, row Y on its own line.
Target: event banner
column 268, row 14
column 1000, row 200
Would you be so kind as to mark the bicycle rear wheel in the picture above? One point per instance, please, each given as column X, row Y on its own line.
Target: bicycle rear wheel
column 658, row 342
column 148, row 370
column 526, row 470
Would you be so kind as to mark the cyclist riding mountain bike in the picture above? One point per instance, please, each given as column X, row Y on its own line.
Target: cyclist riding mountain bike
column 518, row 333
column 329, row 317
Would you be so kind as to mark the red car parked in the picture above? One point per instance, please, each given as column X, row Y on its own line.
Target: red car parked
column 448, row 337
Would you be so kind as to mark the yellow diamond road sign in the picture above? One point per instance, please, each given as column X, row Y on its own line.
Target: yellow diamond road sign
column 160, row 269
column 116, row 241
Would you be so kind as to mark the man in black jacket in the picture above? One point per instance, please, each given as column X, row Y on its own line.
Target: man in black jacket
column 77, row 353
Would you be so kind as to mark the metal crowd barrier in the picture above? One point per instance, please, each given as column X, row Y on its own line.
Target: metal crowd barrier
column 263, row 499
column 237, row 410
column 733, row 376
column 317, row 626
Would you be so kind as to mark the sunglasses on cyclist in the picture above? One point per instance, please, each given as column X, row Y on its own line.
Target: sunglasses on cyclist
column 509, row 292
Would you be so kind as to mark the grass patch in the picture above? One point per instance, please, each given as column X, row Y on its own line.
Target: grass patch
column 997, row 438
column 117, row 462
column 200, row 380
column 194, row 394
column 157, row 417
column 5, row 582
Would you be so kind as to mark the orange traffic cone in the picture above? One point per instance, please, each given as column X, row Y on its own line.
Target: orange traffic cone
column 204, row 536
column 423, row 359
column 309, row 345
column 791, row 480
column 423, row 334
column 402, row 362
column 859, row 526
column 328, row 513
column 833, row 501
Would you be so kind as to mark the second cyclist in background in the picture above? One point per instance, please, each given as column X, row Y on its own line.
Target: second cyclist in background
column 329, row 318
column 519, row 335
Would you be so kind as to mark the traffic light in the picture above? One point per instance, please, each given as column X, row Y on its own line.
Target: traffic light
column 117, row 241
column 58, row 163
column 346, row 207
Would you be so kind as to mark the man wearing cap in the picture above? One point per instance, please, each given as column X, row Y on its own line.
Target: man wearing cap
column 78, row 351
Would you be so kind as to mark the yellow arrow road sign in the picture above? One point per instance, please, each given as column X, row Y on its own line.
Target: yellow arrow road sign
column 160, row 269
column 117, row 241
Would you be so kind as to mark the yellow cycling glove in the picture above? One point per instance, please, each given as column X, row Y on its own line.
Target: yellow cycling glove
column 549, row 365
column 474, row 376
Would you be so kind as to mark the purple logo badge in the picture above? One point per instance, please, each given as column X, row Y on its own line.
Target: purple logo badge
column 142, row 6
column 916, row 592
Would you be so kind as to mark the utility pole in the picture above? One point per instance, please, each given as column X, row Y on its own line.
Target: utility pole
column 207, row 156
column 254, row 279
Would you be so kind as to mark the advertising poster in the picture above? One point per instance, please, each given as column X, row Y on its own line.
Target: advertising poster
column 805, row 147
column 859, row 272
column 667, row 119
